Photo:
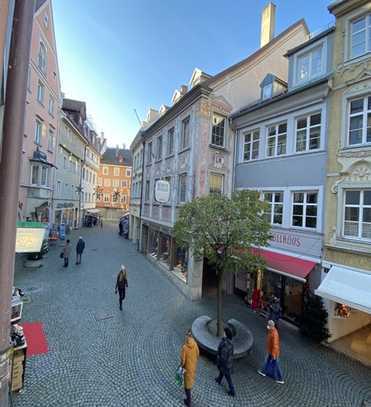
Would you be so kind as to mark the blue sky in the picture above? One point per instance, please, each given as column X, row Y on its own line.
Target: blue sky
column 132, row 54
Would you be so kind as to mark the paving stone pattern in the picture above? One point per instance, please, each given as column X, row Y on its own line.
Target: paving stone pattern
column 99, row 356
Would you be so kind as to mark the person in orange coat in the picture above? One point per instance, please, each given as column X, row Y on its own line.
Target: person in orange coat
column 271, row 367
column 189, row 358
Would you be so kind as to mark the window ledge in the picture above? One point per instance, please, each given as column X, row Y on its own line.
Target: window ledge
column 158, row 161
column 351, row 246
column 358, row 147
column 284, row 156
column 169, row 156
column 215, row 147
column 354, row 60
column 148, row 164
column 184, row 150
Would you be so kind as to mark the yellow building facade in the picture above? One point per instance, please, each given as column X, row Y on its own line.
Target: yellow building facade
column 346, row 284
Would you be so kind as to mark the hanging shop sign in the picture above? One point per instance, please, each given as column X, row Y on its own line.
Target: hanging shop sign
column 162, row 191
column 30, row 236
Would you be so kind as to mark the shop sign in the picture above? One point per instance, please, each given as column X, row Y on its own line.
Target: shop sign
column 162, row 191
column 298, row 242
column 29, row 240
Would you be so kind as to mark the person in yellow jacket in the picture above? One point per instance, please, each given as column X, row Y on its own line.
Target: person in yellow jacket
column 189, row 358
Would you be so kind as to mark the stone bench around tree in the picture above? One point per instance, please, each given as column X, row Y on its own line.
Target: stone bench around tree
column 242, row 340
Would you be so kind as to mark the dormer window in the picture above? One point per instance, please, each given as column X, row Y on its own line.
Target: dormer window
column 309, row 64
column 267, row 91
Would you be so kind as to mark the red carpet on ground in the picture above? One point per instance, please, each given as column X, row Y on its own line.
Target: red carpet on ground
column 35, row 337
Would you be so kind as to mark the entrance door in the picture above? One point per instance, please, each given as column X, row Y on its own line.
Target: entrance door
column 292, row 299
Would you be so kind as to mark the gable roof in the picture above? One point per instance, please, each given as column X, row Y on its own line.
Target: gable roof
column 117, row 156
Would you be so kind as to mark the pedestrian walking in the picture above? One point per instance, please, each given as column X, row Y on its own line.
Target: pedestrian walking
column 188, row 359
column 225, row 360
column 271, row 367
column 121, row 284
column 79, row 249
column 66, row 253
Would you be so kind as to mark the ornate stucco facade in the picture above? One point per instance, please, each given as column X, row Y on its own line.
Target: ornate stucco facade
column 348, row 212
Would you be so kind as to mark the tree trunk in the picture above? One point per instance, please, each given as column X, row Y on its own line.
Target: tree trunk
column 219, row 314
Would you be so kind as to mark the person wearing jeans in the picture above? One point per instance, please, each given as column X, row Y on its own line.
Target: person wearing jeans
column 224, row 360
column 271, row 367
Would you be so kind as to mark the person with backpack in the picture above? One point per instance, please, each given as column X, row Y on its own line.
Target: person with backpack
column 225, row 360
column 79, row 249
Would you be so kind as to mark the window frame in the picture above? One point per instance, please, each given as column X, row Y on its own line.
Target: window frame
column 116, row 171
column 185, row 141
column 33, row 166
column 42, row 59
column 149, row 153
column 181, row 177
column 170, row 136
column 51, row 140
column 105, row 170
column 276, row 136
column 216, row 174
column 251, row 144
column 38, row 136
column 273, row 204
column 159, row 148
column 308, row 127
column 51, row 106
column 367, row 29
column 309, row 51
column 365, row 112
column 147, row 191
column 304, row 205
column 360, row 207
column 40, row 94
column 223, row 122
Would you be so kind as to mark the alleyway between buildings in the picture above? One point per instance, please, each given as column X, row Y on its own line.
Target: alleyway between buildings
column 99, row 356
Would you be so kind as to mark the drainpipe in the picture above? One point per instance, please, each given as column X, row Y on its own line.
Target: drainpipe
column 80, row 186
column 141, row 196
column 10, row 166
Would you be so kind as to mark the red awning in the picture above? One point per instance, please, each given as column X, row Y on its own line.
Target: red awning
column 287, row 265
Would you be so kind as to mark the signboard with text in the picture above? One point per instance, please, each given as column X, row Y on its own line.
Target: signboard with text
column 29, row 240
column 308, row 244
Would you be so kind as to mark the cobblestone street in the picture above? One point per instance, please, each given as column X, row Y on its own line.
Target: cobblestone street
column 99, row 356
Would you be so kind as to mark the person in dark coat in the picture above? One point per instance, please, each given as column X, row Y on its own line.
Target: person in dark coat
column 79, row 249
column 224, row 360
column 121, row 228
column 121, row 284
column 66, row 253
column 275, row 310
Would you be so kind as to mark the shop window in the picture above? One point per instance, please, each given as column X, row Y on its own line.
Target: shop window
column 276, row 140
column 357, row 214
column 216, row 184
column 218, row 128
column 274, row 213
column 304, row 209
column 251, row 145
column 308, row 133
column 359, row 121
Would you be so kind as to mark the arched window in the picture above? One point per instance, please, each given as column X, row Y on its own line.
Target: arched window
column 42, row 57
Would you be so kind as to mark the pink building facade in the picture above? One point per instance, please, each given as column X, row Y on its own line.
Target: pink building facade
column 41, row 128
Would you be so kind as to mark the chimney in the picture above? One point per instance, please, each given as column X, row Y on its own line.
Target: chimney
column 268, row 22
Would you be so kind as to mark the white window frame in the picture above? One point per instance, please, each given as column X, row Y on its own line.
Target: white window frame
column 273, row 204
column 360, row 207
column 305, row 204
column 364, row 114
column 269, row 94
column 308, row 127
column 44, row 170
column 224, row 129
column 105, row 170
column 51, row 140
column 51, row 106
column 38, row 175
column 309, row 50
column 42, row 63
column 116, row 183
column 367, row 29
column 252, row 142
column 276, row 136
column 116, row 172
column 159, row 148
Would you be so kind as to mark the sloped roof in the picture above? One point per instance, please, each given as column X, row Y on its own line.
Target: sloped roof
column 74, row 105
column 117, row 156
column 39, row 3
